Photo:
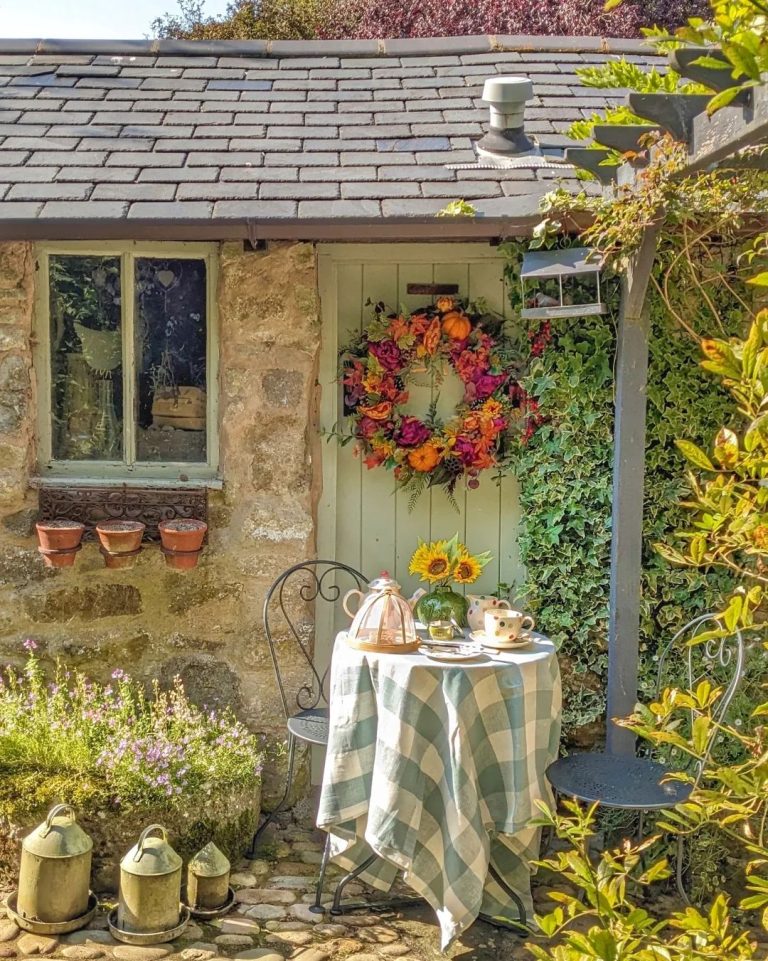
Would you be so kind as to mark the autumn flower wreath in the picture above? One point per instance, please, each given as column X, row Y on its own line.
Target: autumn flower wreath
column 494, row 415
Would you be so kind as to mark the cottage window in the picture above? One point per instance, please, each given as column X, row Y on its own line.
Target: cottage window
column 127, row 362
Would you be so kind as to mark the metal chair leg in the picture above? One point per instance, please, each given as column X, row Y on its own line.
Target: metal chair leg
column 336, row 907
column 317, row 907
column 679, row 870
column 251, row 852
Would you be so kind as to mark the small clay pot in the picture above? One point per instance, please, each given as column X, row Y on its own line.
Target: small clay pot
column 182, row 534
column 120, row 542
column 60, row 535
column 120, row 537
column 59, row 541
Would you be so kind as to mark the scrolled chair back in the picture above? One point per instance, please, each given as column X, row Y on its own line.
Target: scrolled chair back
column 717, row 658
column 289, row 616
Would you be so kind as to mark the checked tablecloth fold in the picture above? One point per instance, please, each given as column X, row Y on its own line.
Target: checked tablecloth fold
column 436, row 768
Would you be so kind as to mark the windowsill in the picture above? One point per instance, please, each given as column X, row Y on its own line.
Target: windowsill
column 127, row 480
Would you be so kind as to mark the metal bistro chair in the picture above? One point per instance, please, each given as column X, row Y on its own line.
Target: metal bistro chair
column 309, row 582
column 637, row 784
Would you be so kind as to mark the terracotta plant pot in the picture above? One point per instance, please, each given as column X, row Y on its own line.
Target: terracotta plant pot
column 182, row 542
column 182, row 534
column 120, row 542
column 59, row 541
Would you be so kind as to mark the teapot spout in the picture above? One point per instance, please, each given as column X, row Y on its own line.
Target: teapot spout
column 413, row 601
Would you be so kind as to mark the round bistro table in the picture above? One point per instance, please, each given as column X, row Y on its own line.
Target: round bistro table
column 434, row 769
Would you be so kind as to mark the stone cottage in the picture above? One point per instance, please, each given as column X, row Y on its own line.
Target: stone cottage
column 212, row 218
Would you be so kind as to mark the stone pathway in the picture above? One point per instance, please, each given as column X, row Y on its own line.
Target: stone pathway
column 271, row 921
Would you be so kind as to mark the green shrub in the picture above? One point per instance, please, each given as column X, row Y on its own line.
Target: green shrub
column 115, row 745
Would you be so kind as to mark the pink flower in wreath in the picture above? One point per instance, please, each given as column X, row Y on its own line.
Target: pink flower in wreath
column 412, row 432
column 387, row 353
column 464, row 449
column 468, row 365
column 366, row 427
column 486, row 384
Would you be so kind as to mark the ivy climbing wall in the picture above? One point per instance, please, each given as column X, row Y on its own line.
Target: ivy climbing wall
column 566, row 476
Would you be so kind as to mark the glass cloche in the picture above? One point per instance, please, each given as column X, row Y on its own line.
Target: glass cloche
column 384, row 621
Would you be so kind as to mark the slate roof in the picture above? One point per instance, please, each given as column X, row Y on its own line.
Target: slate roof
column 295, row 139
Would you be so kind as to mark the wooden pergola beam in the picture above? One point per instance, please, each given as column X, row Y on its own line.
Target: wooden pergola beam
column 725, row 133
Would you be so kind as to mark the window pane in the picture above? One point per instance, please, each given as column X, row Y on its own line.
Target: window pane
column 170, row 328
column 86, row 358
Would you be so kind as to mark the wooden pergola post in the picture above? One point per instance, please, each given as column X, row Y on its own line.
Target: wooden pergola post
column 628, row 478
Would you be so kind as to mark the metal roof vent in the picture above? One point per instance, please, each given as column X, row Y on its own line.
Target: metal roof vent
column 507, row 96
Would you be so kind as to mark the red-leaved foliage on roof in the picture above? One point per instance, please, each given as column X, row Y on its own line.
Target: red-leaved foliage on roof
column 369, row 19
column 365, row 19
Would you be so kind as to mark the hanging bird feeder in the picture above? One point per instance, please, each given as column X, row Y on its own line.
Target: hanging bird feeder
column 54, row 895
column 149, row 907
column 208, row 890
column 560, row 283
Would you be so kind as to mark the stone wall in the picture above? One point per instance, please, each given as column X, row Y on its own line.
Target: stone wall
column 204, row 625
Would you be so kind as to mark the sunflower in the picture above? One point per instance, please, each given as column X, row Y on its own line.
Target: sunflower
column 468, row 569
column 430, row 562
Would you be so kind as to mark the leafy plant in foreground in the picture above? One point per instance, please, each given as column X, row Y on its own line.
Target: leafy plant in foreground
column 606, row 923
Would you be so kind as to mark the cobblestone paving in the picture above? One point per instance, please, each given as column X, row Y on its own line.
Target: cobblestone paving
column 271, row 921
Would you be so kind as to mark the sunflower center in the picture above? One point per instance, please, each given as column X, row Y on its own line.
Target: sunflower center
column 437, row 566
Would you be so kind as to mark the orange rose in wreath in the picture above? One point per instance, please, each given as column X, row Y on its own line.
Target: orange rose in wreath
column 424, row 458
column 432, row 336
column 378, row 411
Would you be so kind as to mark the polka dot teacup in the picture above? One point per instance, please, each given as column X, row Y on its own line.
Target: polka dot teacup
column 504, row 624
column 478, row 605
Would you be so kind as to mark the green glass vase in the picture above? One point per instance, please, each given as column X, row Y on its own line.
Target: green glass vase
column 442, row 604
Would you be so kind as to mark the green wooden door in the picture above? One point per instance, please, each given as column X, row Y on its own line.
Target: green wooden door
column 363, row 520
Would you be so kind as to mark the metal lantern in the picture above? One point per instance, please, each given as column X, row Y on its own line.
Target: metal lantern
column 560, row 283
column 208, row 880
column 384, row 621
column 55, row 872
column 150, row 885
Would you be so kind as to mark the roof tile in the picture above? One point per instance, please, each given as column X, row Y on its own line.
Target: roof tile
column 351, row 130
column 146, row 210
column 50, row 191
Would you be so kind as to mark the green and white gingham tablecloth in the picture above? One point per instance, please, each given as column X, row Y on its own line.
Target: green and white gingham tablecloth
column 435, row 767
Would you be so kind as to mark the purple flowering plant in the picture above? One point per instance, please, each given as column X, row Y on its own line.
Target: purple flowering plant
column 141, row 747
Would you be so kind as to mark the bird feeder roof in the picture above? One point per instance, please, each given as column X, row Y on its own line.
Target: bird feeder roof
column 538, row 264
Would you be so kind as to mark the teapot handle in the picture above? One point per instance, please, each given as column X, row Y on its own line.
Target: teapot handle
column 144, row 835
column 55, row 811
column 346, row 598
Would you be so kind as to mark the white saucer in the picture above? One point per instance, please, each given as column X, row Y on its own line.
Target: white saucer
column 522, row 640
column 457, row 656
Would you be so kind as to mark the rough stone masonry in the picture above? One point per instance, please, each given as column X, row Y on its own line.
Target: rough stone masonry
column 204, row 626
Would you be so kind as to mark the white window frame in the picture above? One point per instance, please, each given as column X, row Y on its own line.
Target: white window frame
column 125, row 472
